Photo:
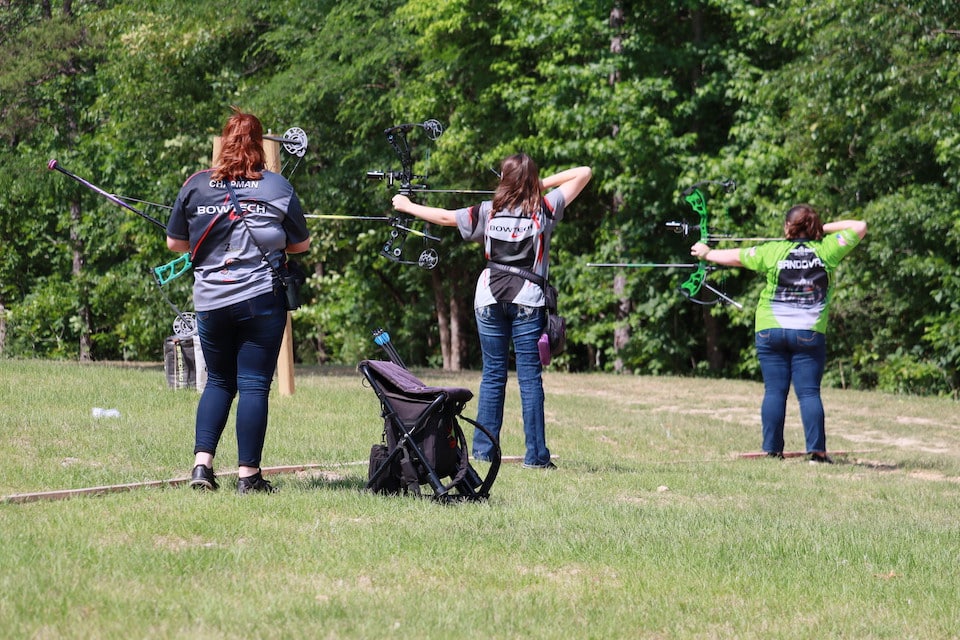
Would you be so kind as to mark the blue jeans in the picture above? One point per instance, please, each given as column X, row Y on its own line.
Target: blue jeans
column 240, row 345
column 799, row 356
column 497, row 325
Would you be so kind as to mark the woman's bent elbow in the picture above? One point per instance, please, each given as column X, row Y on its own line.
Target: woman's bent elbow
column 298, row 247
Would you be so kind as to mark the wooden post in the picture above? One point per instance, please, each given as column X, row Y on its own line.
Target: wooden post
column 271, row 149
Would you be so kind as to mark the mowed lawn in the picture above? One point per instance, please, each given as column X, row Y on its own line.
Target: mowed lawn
column 655, row 525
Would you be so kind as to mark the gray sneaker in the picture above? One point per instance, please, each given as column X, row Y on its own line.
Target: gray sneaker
column 548, row 465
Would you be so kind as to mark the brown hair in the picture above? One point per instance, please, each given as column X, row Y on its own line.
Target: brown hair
column 241, row 153
column 803, row 222
column 519, row 185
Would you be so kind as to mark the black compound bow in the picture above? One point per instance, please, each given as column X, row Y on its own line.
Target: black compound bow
column 410, row 184
column 294, row 142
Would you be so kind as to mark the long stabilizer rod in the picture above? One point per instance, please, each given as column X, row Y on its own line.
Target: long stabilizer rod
column 54, row 165
column 644, row 265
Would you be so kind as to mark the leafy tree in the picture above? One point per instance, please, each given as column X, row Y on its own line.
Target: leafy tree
column 45, row 68
column 843, row 104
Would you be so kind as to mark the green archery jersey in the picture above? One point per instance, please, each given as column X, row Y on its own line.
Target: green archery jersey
column 799, row 279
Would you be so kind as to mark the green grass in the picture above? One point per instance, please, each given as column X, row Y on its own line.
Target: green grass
column 653, row 527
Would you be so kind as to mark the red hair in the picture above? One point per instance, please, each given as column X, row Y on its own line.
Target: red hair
column 241, row 151
column 519, row 185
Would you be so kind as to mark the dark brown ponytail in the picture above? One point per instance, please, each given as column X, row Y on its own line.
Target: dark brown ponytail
column 803, row 222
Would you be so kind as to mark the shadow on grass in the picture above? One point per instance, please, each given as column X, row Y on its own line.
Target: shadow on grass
column 339, row 483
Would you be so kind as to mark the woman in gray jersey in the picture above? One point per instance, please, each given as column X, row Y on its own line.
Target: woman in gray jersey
column 514, row 229
column 241, row 310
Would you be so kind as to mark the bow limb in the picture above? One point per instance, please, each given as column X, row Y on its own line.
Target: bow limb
column 53, row 165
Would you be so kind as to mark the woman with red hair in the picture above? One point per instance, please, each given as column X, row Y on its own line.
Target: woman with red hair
column 240, row 303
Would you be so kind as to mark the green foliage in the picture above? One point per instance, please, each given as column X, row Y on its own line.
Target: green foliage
column 842, row 104
column 652, row 526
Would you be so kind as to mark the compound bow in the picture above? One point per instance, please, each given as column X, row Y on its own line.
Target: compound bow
column 409, row 184
column 696, row 281
column 294, row 142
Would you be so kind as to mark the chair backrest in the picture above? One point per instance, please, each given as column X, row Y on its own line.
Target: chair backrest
column 401, row 380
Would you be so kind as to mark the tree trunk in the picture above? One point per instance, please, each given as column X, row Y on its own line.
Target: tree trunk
column 443, row 318
column 458, row 331
column 621, row 334
column 3, row 327
column 453, row 311
column 712, row 332
column 83, row 301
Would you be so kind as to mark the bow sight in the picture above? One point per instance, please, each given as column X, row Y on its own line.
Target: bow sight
column 405, row 180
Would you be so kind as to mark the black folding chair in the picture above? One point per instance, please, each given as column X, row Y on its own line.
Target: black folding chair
column 423, row 442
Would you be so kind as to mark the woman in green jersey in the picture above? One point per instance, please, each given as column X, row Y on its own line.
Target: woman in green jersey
column 791, row 318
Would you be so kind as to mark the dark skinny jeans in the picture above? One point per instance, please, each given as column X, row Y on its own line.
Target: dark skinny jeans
column 240, row 344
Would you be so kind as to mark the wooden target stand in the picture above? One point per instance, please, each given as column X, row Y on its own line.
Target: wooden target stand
column 285, row 382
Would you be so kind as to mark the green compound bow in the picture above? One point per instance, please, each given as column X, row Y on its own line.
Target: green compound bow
column 691, row 287
column 697, row 280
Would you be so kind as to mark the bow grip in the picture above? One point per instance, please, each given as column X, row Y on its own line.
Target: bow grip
column 173, row 269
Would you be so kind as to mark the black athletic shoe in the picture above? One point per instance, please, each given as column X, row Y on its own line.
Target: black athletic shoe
column 255, row 484
column 203, row 479
column 820, row 458
column 775, row 454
